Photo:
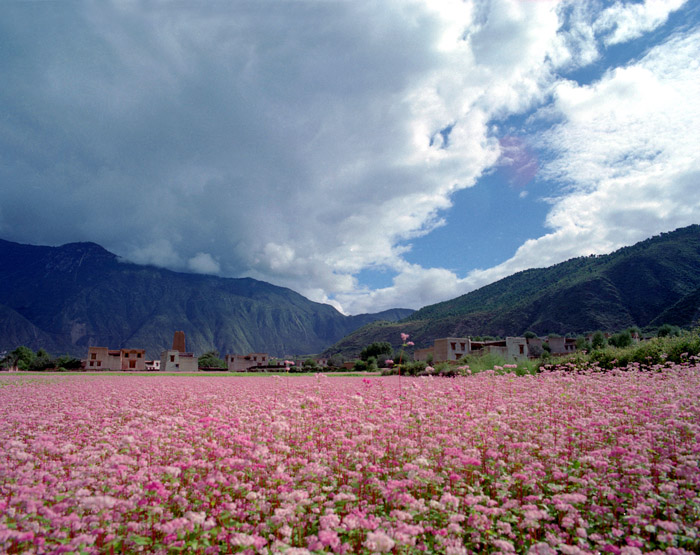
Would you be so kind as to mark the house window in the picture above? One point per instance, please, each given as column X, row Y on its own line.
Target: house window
column 138, row 355
column 93, row 356
column 99, row 363
column 126, row 355
column 462, row 345
column 522, row 349
column 454, row 346
column 172, row 358
column 92, row 363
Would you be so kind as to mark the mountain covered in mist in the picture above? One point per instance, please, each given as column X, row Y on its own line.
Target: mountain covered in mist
column 648, row 284
column 64, row 299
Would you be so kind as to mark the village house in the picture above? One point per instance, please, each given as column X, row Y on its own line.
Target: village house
column 175, row 361
column 178, row 359
column 103, row 358
column 561, row 345
column 450, row 349
column 244, row 363
column 153, row 365
column 445, row 349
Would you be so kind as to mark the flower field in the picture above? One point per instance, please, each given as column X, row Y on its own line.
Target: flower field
column 553, row 463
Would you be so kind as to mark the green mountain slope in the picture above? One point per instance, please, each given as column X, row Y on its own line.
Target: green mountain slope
column 67, row 298
column 649, row 283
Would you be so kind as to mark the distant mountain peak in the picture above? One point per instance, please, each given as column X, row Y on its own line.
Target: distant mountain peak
column 66, row 298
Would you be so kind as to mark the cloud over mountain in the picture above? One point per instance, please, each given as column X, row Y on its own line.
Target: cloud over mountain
column 304, row 142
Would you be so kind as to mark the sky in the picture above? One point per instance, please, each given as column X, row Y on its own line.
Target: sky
column 365, row 154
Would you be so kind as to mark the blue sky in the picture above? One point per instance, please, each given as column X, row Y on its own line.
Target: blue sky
column 366, row 154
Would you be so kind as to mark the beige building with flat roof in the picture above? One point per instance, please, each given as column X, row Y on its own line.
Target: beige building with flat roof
column 243, row 363
column 175, row 361
column 450, row 349
column 103, row 358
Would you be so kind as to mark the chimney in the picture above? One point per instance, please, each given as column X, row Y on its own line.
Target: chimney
column 179, row 342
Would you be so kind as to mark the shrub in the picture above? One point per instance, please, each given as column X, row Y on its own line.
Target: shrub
column 598, row 340
column 622, row 339
column 377, row 350
column 413, row 368
column 668, row 330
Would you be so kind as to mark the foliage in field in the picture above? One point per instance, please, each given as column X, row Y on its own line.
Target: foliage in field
column 668, row 348
column 577, row 462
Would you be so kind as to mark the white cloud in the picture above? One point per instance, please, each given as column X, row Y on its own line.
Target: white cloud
column 300, row 143
column 203, row 263
column 297, row 139
column 623, row 22
column 628, row 150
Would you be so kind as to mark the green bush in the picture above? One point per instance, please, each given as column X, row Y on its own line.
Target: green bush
column 655, row 351
column 377, row 350
column 369, row 365
column 668, row 330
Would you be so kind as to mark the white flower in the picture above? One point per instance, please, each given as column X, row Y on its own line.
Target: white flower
column 379, row 541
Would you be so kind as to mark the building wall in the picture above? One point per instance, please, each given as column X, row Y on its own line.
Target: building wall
column 98, row 358
column 453, row 348
column 103, row 358
column 175, row 361
column 501, row 350
column 516, row 347
column 450, row 348
column 562, row 345
column 423, row 354
column 153, row 364
column 133, row 359
column 241, row 363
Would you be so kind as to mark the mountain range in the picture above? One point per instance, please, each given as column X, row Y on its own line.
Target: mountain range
column 648, row 284
column 64, row 299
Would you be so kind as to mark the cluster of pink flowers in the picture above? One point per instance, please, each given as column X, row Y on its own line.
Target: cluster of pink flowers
column 559, row 462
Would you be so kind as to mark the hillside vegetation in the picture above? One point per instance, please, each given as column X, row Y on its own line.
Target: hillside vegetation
column 645, row 285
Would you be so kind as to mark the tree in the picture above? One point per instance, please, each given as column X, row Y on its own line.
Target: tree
column 42, row 361
column 622, row 339
column 336, row 361
column 211, row 359
column 21, row 357
column 67, row 362
column 667, row 330
column 309, row 364
column 378, row 349
column 582, row 344
column 598, row 340
column 529, row 335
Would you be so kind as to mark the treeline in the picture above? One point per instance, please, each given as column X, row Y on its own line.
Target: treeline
column 671, row 345
column 23, row 358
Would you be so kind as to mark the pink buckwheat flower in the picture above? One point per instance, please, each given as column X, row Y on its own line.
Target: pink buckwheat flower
column 379, row 541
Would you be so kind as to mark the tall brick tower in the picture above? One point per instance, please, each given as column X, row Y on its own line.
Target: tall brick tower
column 179, row 342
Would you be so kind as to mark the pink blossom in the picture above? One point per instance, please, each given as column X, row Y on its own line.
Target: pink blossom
column 379, row 541
column 566, row 461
